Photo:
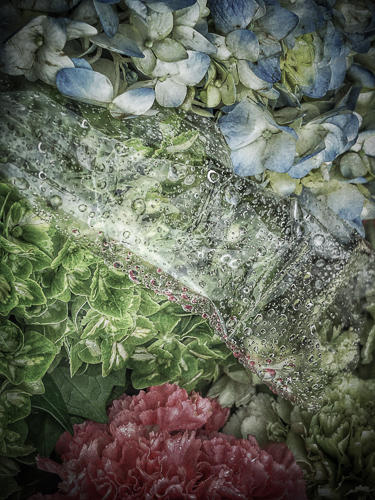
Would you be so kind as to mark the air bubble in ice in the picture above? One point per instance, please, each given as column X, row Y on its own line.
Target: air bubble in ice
column 84, row 124
column 213, row 176
column 42, row 176
column 318, row 240
column 41, row 148
column 82, row 208
column 138, row 206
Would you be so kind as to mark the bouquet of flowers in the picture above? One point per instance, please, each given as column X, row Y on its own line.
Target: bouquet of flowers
column 183, row 186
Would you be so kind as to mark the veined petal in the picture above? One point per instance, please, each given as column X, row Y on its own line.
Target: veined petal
column 170, row 93
column 81, row 63
column 54, row 33
column 193, row 40
column 280, row 152
column 156, row 26
column 278, row 22
column 188, row 16
column 248, row 78
column 168, row 5
column 133, row 102
column 267, row 69
column 77, row 29
column 138, row 7
column 249, row 159
column 84, row 85
column 243, row 44
column 108, row 17
column 230, row 15
column 47, row 63
column 222, row 51
column 56, row 6
column 169, row 50
column 118, row 43
column 243, row 125
column 17, row 54
column 146, row 64
column 192, row 70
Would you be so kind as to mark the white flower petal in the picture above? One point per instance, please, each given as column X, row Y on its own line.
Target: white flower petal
column 249, row 159
column 188, row 16
column 170, row 93
column 193, row 40
column 222, row 51
column 146, row 64
column 77, row 29
column 48, row 63
column 169, row 50
column 163, row 69
column 243, row 44
column 156, row 27
column 134, row 101
column 192, row 70
column 248, row 77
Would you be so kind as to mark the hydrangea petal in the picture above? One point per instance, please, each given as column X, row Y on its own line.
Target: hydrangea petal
column 84, row 85
column 310, row 15
column 249, row 159
column 321, row 82
column 118, row 43
column 188, row 16
column 193, row 40
column 147, row 63
column 138, row 7
column 54, row 33
column 108, row 17
column 348, row 123
column 163, row 69
column 134, row 101
column 248, row 78
column 17, row 54
column 243, row 125
column 267, row 69
column 192, row 70
column 305, row 165
column 46, row 65
column 229, row 15
column 77, row 29
column 79, row 62
column 156, row 26
column 169, row 50
column 170, row 93
column 278, row 22
column 169, row 5
column 347, row 202
column 361, row 76
column 280, row 152
column 222, row 51
column 335, row 142
column 243, row 44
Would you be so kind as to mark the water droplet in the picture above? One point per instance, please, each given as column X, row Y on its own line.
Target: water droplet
column 41, row 149
column 189, row 179
column 138, row 206
column 42, row 176
column 318, row 240
column 213, row 176
column 92, row 214
column 84, row 124
column 55, row 201
column 82, row 208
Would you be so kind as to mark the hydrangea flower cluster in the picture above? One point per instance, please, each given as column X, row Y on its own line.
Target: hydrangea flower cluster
column 165, row 444
column 260, row 62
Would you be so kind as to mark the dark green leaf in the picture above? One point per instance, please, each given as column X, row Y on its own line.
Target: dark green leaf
column 14, row 404
column 55, row 313
column 8, row 295
column 11, row 337
column 148, row 306
column 86, row 395
column 29, row 292
column 44, row 431
column 53, row 403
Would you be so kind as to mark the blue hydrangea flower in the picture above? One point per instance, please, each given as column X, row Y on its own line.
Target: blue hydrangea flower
column 36, row 51
column 256, row 141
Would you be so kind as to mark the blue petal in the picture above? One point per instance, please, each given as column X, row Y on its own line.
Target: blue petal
column 348, row 123
column 267, row 69
column 278, row 21
column 243, row 125
column 53, row 6
column 192, row 70
column 229, row 15
column 108, row 17
column 304, row 166
column 361, row 76
column 321, row 82
column 338, row 72
column 243, row 44
column 334, row 141
column 357, row 180
column 81, row 63
column 138, row 7
column 84, row 85
column 118, row 43
column 169, row 5
column 134, row 101
column 170, row 94
column 109, row 1
column 249, row 159
column 310, row 16
column 280, row 152
column 346, row 202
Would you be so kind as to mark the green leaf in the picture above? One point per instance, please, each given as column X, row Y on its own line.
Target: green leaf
column 55, row 313
column 54, row 282
column 73, row 256
column 147, row 306
column 31, row 362
column 52, row 402
column 11, row 337
column 8, row 294
column 12, row 443
column 76, row 307
column 114, row 355
column 89, row 351
column 21, row 268
column 143, row 332
column 29, row 292
column 86, row 395
column 14, row 404
column 37, row 258
column 79, row 282
column 165, row 320
column 44, row 432
column 107, row 300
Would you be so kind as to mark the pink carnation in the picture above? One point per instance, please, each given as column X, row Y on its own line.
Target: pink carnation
column 164, row 444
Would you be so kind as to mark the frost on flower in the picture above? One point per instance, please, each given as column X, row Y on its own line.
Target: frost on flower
column 165, row 444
